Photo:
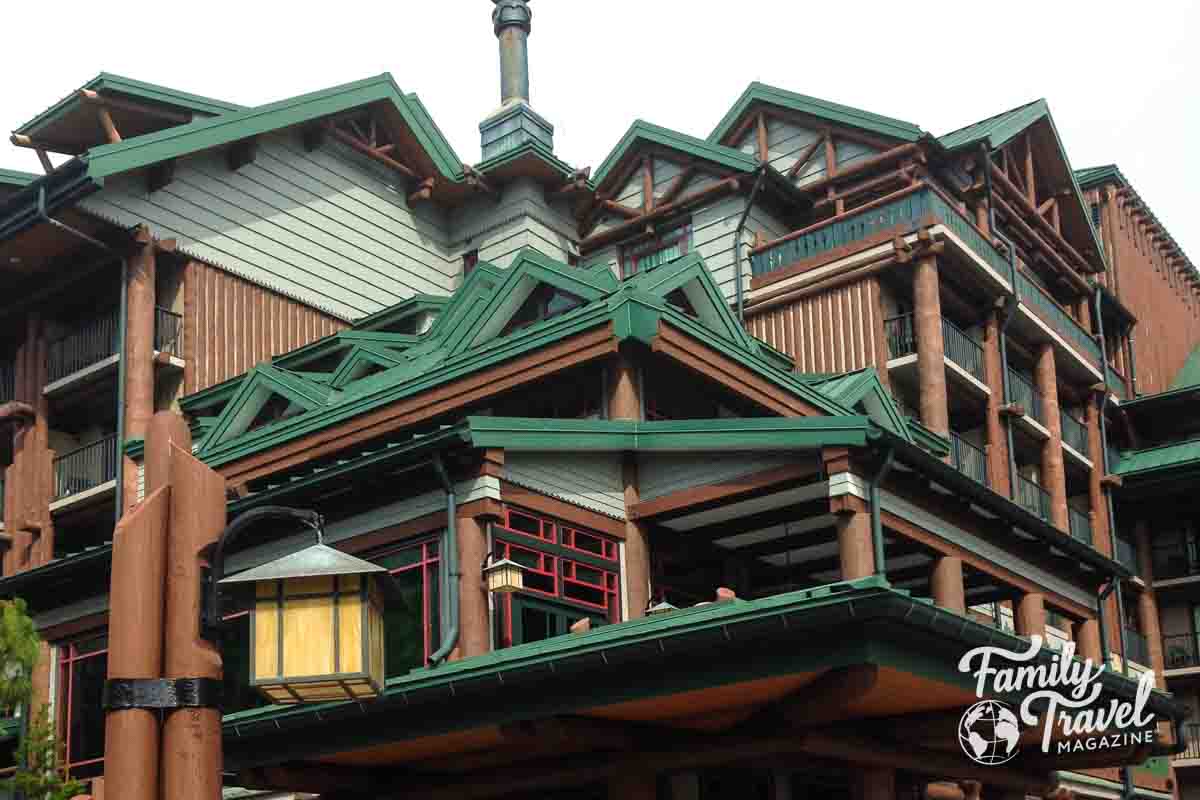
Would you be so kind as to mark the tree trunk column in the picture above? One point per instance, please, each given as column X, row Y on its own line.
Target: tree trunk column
column 947, row 583
column 1097, row 498
column 1148, row 603
column 1087, row 640
column 1029, row 615
column 997, row 436
column 856, row 548
column 931, row 369
column 1054, row 477
column 625, row 402
column 139, row 355
column 474, row 637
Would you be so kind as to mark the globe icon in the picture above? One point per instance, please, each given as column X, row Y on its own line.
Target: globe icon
column 988, row 732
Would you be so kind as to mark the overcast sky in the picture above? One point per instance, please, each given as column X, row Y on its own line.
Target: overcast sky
column 1121, row 78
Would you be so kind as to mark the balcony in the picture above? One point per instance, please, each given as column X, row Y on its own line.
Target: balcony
column 1074, row 434
column 962, row 350
column 1062, row 323
column 1026, row 395
column 901, row 335
column 1180, row 652
column 168, row 332
column 1191, row 735
column 968, row 459
column 85, row 469
column 1137, row 648
column 1080, row 525
column 963, row 356
column 1175, row 560
column 88, row 345
column 1033, row 498
column 1126, row 554
column 1116, row 382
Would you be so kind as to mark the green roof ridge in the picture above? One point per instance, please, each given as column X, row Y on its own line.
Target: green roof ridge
column 700, row 148
column 12, row 177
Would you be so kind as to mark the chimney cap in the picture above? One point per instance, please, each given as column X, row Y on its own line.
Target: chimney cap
column 508, row 13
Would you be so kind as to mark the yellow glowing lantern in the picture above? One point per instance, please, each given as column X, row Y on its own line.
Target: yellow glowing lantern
column 316, row 626
column 503, row 576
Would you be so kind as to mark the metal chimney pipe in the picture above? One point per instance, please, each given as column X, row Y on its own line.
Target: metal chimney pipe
column 511, row 22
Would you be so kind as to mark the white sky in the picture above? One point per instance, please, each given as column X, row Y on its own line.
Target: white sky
column 1121, row 78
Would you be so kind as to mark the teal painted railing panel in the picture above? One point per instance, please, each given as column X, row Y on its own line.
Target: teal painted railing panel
column 1116, row 382
column 1025, row 394
column 965, row 230
column 1048, row 309
column 1033, row 498
column 968, row 459
column 1074, row 433
column 1080, row 525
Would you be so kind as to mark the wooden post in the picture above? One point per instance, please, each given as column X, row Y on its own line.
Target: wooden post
column 624, row 402
column 1147, row 603
column 474, row 637
column 1097, row 499
column 1029, row 615
column 1054, row 477
column 139, row 354
column 191, row 740
column 931, row 368
column 856, row 550
column 997, row 438
column 947, row 583
column 1087, row 640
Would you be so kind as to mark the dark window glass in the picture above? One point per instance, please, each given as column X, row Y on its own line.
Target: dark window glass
column 83, row 667
column 411, row 618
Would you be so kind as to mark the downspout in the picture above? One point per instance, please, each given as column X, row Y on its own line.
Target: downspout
column 453, row 573
column 1108, row 505
column 1132, row 363
column 121, row 320
column 876, row 516
column 737, row 243
column 1010, row 309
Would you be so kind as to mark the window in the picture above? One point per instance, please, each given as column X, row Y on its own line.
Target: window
column 82, row 669
column 412, row 621
column 236, row 693
column 545, row 302
column 570, row 574
column 660, row 250
column 470, row 261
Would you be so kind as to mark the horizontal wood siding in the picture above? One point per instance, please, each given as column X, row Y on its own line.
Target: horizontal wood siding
column 326, row 227
column 232, row 324
column 664, row 473
column 786, row 142
column 589, row 480
column 631, row 193
column 835, row 331
column 523, row 218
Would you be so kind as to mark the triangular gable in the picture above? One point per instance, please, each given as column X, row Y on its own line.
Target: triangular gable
column 530, row 270
column 760, row 94
column 261, row 385
column 689, row 275
column 863, row 391
column 363, row 359
column 1001, row 130
column 234, row 126
column 642, row 133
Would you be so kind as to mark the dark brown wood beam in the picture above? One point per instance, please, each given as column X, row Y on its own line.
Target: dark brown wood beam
column 369, row 152
column 805, row 157
column 621, row 209
column 826, row 698
column 647, row 184
column 119, row 104
column 763, row 151
column 676, row 186
column 630, row 228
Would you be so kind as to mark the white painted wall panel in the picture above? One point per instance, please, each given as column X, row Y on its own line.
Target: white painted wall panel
column 589, row 480
column 663, row 473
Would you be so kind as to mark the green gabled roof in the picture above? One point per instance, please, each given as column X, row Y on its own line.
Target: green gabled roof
column 823, row 109
column 1091, row 176
column 1189, row 374
column 1155, row 459
column 864, row 387
column 149, row 92
column 204, row 134
column 405, row 308
column 998, row 130
column 643, row 132
column 532, row 148
column 452, row 348
column 11, row 177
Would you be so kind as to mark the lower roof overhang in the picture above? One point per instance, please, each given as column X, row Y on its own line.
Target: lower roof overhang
column 724, row 669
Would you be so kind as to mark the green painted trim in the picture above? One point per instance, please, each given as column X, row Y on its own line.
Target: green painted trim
column 135, row 448
column 642, row 132
column 823, row 109
column 1095, row 176
column 182, row 140
column 1152, row 461
column 934, row 442
column 12, row 177
column 529, row 148
column 106, row 81
column 860, row 387
column 400, row 311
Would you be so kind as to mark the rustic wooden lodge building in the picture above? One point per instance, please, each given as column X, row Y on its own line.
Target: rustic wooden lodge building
column 778, row 423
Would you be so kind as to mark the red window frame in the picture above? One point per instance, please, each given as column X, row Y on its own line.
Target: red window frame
column 549, row 544
column 68, row 657
column 631, row 256
column 429, row 562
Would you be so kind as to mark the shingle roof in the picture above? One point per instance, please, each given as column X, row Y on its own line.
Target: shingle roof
column 998, row 129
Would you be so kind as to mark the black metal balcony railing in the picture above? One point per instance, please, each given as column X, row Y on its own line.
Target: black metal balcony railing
column 1126, row 554
column 1046, row 307
column 86, row 467
column 168, row 332
column 1080, row 525
column 1026, row 395
column 968, row 459
column 1116, row 382
column 1033, row 498
column 92, row 342
column 962, row 349
column 1180, row 651
column 1074, row 433
column 7, row 381
column 1137, row 648
column 1176, row 559
column 901, row 335
column 1191, row 735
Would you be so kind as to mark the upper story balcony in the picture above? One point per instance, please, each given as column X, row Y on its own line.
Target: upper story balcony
column 1176, row 560
column 1074, row 434
column 85, row 472
column 963, row 355
column 968, row 459
column 1048, row 310
column 1033, row 498
column 1080, row 525
column 1190, row 757
column 88, row 348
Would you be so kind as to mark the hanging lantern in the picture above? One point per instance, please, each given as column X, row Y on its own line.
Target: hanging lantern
column 316, row 626
column 503, row 575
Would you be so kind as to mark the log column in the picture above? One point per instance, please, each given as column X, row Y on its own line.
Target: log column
column 1054, row 477
column 997, row 436
column 139, row 354
column 474, row 638
column 1029, row 615
column 1097, row 498
column 947, row 583
column 931, row 369
column 624, row 402
column 27, row 506
column 1147, row 603
column 1087, row 640
column 856, row 550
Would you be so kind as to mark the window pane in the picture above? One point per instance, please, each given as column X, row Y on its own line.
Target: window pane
column 404, row 619
column 86, row 728
column 235, row 657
